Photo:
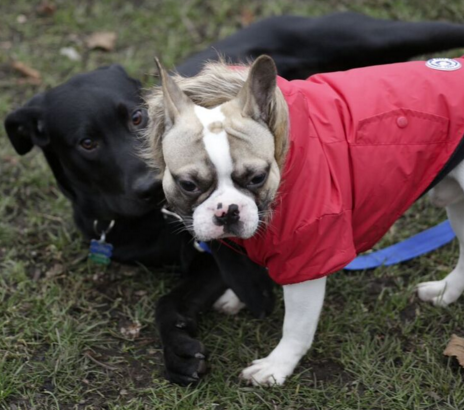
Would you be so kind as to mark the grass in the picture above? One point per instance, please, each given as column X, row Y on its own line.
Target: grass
column 61, row 347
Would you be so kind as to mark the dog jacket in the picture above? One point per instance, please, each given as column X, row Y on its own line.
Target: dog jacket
column 364, row 145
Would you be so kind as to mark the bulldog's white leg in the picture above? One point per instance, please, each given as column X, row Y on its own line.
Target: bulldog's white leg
column 445, row 193
column 303, row 304
column 229, row 303
column 449, row 192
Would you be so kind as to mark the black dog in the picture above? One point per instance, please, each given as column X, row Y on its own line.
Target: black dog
column 303, row 46
column 86, row 130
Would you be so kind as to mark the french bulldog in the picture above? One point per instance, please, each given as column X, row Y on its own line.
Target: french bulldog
column 304, row 175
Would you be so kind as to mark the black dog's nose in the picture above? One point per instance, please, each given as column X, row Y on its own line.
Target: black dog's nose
column 232, row 216
column 148, row 189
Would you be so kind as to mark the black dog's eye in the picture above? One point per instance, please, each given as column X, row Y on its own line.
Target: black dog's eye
column 88, row 144
column 188, row 186
column 257, row 180
column 137, row 117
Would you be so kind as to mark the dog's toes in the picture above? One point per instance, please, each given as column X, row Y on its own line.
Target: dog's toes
column 439, row 301
column 440, row 293
column 229, row 303
column 185, row 359
column 265, row 372
column 428, row 291
column 188, row 372
column 248, row 373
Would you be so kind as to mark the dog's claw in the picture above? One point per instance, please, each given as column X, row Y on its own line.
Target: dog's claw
column 266, row 372
column 184, row 357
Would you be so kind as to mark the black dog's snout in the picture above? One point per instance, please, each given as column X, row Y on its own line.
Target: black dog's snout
column 232, row 216
column 148, row 189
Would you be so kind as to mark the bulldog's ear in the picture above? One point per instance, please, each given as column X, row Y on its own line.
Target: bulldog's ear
column 257, row 96
column 25, row 128
column 176, row 102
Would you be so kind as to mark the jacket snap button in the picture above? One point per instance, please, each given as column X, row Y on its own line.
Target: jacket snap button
column 402, row 122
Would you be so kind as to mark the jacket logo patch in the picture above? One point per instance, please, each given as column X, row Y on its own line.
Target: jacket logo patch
column 443, row 64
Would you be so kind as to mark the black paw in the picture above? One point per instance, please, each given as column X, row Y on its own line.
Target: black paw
column 184, row 358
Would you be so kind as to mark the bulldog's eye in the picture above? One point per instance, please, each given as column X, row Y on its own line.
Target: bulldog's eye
column 188, row 186
column 257, row 180
column 137, row 117
column 88, row 144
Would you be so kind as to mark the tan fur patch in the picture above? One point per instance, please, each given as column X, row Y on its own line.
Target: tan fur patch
column 216, row 127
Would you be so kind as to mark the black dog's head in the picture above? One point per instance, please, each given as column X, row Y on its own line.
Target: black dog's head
column 87, row 129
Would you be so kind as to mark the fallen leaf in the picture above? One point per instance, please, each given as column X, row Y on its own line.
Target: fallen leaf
column 456, row 348
column 71, row 53
column 104, row 40
column 131, row 330
column 6, row 45
column 90, row 355
column 434, row 395
column 37, row 274
column 128, row 271
column 32, row 75
column 46, row 9
column 247, row 17
column 55, row 271
column 11, row 160
column 21, row 19
column 99, row 277
column 28, row 81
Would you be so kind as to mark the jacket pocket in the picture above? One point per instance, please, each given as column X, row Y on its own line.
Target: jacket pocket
column 402, row 127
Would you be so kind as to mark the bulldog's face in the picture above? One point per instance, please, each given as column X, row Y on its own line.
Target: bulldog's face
column 221, row 174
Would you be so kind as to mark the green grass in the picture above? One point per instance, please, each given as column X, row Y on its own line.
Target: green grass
column 377, row 347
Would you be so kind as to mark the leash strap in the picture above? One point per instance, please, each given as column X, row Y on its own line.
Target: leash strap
column 424, row 242
column 417, row 245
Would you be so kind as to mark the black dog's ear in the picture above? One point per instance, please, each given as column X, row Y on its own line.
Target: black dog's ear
column 117, row 67
column 121, row 69
column 25, row 129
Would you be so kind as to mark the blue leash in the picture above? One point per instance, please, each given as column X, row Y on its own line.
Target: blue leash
column 423, row 242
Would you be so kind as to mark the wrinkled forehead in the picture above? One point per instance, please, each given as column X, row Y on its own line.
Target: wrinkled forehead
column 251, row 143
column 183, row 145
column 196, row 138
column 233, row 142
column 216, row 140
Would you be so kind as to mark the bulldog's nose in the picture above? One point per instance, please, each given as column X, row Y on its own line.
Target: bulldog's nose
column 230, row 217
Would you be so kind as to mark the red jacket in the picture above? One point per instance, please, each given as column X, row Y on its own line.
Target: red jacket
column 364, row 145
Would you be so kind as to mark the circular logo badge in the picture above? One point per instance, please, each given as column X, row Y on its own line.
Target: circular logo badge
column 443, row 64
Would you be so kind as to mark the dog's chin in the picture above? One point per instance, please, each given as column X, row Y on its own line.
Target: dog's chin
column 205, row 237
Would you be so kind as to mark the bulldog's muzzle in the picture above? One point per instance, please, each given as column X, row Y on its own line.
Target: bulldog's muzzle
column 226, row 218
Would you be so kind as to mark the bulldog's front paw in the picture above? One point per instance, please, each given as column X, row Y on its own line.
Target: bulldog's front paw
column 440, row 292
column 267, row 372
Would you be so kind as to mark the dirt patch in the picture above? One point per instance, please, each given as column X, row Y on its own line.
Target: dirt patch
column 325, row 371
column 410, row 313
column 377, row 285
